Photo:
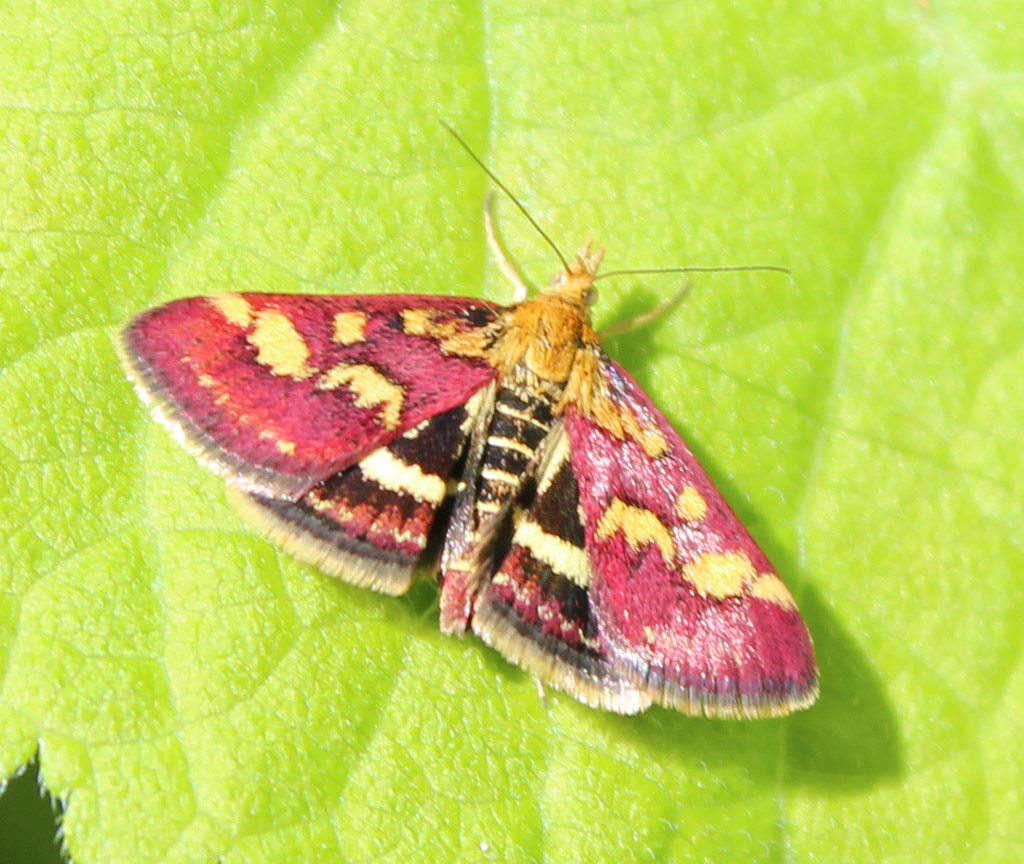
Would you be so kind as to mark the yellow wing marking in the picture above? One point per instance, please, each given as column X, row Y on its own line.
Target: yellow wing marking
column 770, row 587
column 690, row 504
column 639, row 526
column 371, row 389
column 389, row 472
column 279, row 346
column 720, row 574
column 233, row 307
column 350, row 328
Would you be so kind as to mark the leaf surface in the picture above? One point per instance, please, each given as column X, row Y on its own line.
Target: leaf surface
column 195, row 695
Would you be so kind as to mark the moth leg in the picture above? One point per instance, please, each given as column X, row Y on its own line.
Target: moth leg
column 505, row 265
column 620, row 327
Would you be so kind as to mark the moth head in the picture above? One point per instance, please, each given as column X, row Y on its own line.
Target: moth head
column 576, row 283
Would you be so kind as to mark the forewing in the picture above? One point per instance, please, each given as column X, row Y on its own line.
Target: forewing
column 280, row 392
column 686, row 606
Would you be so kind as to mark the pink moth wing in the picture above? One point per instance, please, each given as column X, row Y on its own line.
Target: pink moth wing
column 688, row 608
column 280, row 391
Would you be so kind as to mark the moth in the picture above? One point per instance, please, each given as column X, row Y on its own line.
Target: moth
column 578, row 535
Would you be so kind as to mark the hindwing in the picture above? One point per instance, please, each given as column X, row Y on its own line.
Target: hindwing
column 371, row 524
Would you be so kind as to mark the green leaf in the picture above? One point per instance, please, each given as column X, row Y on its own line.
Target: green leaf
column 195, row 695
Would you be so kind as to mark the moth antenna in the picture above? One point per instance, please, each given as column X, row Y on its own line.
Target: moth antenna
column 738, row 268
column 507, row 191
